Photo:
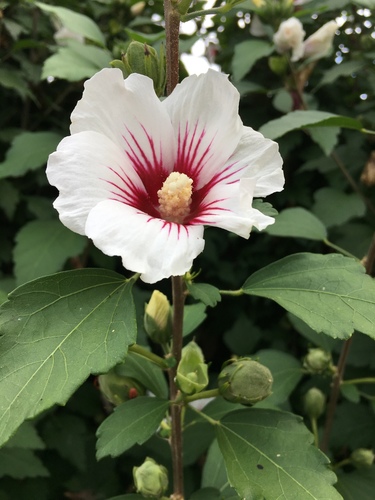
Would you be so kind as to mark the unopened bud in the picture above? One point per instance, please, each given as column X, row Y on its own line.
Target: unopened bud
column 192, row 371
column 245, row 381
column 289, row 37
column 150, row 479
column 118, row 389
column 273, row 11
column 317, row 361
column 158, row 318
column 314, row 403
column 319, row 44
column 362, row 458
column 137, row 8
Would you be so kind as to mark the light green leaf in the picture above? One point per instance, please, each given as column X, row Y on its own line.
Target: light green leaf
column 20, row 463
column 286, row 371
column 317, row 339
column 208, row 294
column 214, row 472
column 28, row 151
column 55, row 331
column 334, row 207
column 326, row 137
column 303, row 119
column 148, row 374
column 132, row 422
column 351, row 393
column 343, row 69
column 298, row 222
column 42, row 247
column 75, row 62
column 194, row 315
column 26, row 437
column 246, row 54
column 358, row 484
column 331, row 293
column 269, row 454
column 75, row 22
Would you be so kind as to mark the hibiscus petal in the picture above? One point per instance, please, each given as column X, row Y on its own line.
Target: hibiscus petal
column 86, row 168
column 204, row 114
column 130, row 114
column 151, row 246
column 257, row 158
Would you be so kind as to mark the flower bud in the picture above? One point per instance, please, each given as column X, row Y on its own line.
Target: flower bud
column 150, row 479
column 137, row 8
column 143, row 59
column 158, row 318
column 245, row 381
column 192, row 376
column 290, row 36
column 317, row 361
column 314, row 403
column 319, row 44
column 118, row 389
column 272, row 11
column 362, row 458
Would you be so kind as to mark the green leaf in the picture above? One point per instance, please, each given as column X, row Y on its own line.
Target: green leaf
column 243, row 335
column 42, row 247
column 26, row 437
column 323, row 341
column 351, row 393
column 75, row 22
column 143, row 370
column 246, row 54
column 334, row 207
column 21, row 463
column 208, row 294
column 132, row 422
column 15, row 80
column 55, row 331
column 75, row 62
column 269, row 454
column 298, row 222
column 214, row 472
column 28, row 151
column 206, row 494
column 286, row 371
column 343, row 69
column 331, row 293
column 194, row 315
column 358, row 484
column 326, row 137
column 302, row 119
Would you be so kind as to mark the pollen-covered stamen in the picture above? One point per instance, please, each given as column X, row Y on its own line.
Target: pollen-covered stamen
column 175, row 197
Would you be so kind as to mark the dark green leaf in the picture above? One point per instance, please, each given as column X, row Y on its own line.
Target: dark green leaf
column 29, row 151
column 335, row 207
column 206, row 494
column 42, row 247
column 331, row 293
column 214, row 471
column 326, row 137
column 357, row 485
column 246, row 54
column 26, row 437
column 317, row 339
column 303, row 119
column 55, row 332
column 208, row 294
column 269, row 454
column 132, row 422
column 194, row 315
column 21, row 463
column 343, row 69
column 297, row 222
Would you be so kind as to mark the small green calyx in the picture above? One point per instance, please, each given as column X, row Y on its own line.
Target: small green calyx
column 318, row 362
column 117, row 389
column 145, row 60
column 362, row 458
column 150, row 479
column 314, row 403
column 192, row 371
column 245, row 381
column 158, row 318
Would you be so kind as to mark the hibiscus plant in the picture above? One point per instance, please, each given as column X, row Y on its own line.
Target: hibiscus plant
column 165, row 332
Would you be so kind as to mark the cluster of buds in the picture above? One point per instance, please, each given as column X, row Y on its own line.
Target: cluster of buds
column 318, row 362
column 245, row 381
column 145, row 60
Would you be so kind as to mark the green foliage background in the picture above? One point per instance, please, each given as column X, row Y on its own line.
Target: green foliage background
column 328, row 202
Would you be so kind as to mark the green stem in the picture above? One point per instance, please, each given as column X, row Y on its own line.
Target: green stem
column 346, row 461
column 338, row 249
column 314, row 428
column 199, row 13
column 154, row 358
column 206, row 417
column 233, row 293
column 212, row 393
column 365, row 380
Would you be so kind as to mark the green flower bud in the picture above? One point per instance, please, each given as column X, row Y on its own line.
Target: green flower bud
column 318, row 361
column 150, row 479
column 314, row 403
column 158, row 318
column 362, row 458
column 192, row 372
column 245, row 381
column 273, row 11
column 118, row 389
column 278, row 64
column 143, row 59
